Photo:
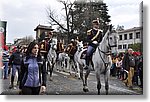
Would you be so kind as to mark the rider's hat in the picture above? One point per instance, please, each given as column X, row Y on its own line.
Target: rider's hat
column 72, row 40
column 95, row 22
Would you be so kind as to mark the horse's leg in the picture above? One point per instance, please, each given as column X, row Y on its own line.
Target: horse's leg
column 85, row 85
column 70, row 66
column 77, row 70
column 64, row 65
column 51, row 69
column 106, row 76
column 98, row 81
column 82, row 77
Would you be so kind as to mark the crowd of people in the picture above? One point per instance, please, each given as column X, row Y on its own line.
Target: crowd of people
column 31, row 66
column 128, row 67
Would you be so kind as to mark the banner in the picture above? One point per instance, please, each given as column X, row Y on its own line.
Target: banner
column 3, row 33
column 2, row 44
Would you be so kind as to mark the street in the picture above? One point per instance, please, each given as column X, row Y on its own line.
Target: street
column 65, row 84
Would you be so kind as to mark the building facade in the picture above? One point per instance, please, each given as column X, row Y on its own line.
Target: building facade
column 129, row 37
column 42, row 31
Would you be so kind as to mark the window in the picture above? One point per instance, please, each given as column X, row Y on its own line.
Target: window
column 120, row 37
column 130, row 45
column 119, row 46
column 137, row 35
column 125, row 46
column 131, row 36
column 125, row 36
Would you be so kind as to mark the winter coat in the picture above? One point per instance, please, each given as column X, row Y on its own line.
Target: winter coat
column 31, row 71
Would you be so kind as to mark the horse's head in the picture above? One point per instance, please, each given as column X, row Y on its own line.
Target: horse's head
column 54, row 44
column 80, row 46
column 111, row 38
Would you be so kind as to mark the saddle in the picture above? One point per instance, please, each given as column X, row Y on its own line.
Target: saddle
column 83, row 55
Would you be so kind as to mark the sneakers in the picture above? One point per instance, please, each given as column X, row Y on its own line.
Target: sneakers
column 131, row 87
column 11, row 86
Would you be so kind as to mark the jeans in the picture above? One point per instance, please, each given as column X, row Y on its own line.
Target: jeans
column 14, row 69
column 89, row 53
column 5, row 69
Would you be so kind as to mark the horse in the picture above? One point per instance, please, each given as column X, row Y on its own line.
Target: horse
column 63, row 62
column 77, row 58
column 101, row 61
column 71, row 50
column 51, row 56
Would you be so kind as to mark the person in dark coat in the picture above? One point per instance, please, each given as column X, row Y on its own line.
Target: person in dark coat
column 94, row 36
column 140, row 69
column 15, row 63
column 129, row 65
column 33, row 73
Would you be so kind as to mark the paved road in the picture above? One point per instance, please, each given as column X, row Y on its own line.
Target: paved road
column 65, row 84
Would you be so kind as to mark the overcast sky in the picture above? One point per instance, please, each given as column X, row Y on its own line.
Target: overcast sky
column 23, row 16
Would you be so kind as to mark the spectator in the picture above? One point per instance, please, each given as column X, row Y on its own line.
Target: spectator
column 15, row 62
column 118, row 68
column 129, row 64
column 32, row 68
column 113, row 68
column 5, row 62
column 140, row 68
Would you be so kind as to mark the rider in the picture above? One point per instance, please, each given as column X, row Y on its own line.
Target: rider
column 71, row 48
column 60, row 47
column 44, row 47
column 94, row 36
column 44, row 44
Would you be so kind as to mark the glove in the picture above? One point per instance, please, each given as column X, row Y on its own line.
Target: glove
column 95, row 42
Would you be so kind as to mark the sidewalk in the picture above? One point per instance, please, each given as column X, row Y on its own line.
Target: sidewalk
column 4, row 88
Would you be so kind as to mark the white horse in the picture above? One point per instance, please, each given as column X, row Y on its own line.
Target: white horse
column 101, row 61
column 63, row 62
column 51, row 57
column 77, row 58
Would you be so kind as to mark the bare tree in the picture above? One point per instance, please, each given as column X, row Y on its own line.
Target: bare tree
column 54, row 20
column 25, row 40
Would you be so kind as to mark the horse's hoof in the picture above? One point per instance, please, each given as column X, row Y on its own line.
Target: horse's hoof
column 50, row 79
column 106, row 92
column 85, row 90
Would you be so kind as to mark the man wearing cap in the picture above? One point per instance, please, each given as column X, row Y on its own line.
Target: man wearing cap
column 94, row 36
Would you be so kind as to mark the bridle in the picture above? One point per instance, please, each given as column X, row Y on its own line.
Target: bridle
column 106, row 53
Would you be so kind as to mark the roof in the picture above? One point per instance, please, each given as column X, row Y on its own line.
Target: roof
column 131, row 29
column 43, row 27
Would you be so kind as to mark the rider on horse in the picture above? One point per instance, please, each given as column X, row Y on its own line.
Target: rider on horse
column 60, row 47
column 44, row 44
column 71, row 48
column 94, row 36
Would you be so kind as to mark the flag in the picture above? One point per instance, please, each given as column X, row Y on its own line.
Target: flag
column 3, row 33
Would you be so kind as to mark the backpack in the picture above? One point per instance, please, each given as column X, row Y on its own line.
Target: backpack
column 131, row 61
